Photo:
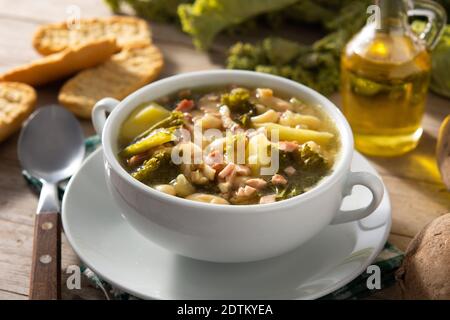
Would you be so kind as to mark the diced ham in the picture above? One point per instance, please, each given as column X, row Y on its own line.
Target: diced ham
column 228, row 170
column 218, row 166
column 185, row 105
column 256, row 183
column 278, row 179
column 214, row 157
column 246, row 192
column 290, row 171
column 243, row 170
column 288, row 146
column 271, row 198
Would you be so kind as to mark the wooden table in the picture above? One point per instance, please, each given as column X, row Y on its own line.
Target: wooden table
column 413, row 180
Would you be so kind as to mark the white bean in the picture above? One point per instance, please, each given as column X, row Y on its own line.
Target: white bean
column 208, row 198
column 183, row 187
column 166, row 188
column 208, row 121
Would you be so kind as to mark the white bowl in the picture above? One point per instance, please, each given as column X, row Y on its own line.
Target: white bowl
column 222, row 233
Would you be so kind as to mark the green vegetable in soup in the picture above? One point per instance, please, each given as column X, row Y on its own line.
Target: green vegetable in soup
column 310, row 168
column 238, row 100
column 141, row 119
column 310, row 160
column 303, row 164
column 144, row 172
column 294, row 134
column 155, row 139
column 245, row 120
column 175, row 119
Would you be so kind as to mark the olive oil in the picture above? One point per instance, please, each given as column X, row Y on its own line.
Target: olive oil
column 385, row 71
column 384, row 99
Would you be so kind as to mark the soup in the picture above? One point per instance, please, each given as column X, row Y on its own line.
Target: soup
column 230, row 146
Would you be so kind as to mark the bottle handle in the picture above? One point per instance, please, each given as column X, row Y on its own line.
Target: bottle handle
column 437, row 19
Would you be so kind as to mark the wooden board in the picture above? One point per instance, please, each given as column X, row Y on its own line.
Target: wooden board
column 413, row 181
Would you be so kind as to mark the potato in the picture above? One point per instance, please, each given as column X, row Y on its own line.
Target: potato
column 141, row 119
column 425, row 272
column 294, row 134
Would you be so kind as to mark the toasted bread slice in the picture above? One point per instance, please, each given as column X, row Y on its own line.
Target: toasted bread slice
column 121, row 75
column 52, row 38
column 17, row 101
column 63, row 64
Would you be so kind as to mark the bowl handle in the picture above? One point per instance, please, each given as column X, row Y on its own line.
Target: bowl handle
column 368, row 180
column 99, row 113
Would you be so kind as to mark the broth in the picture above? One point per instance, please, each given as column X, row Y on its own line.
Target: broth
column 229, row 145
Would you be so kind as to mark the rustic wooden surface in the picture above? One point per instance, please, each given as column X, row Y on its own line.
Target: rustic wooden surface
column 413, row 180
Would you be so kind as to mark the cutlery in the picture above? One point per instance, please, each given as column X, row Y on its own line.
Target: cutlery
column 50, row 148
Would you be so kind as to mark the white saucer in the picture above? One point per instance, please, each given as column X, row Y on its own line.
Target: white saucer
column 118, row 254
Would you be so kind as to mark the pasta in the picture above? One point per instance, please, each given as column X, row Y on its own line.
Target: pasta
column 255, row 146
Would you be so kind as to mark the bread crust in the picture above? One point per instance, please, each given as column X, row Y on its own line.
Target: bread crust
column 17, row 102
column 122, row 74
column 55, row 37
column 62, row 64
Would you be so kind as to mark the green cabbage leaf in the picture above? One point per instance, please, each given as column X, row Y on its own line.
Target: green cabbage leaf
column 204, row 19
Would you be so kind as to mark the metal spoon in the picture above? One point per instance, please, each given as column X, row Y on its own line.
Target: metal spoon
column 443, row 151
column 51, row 149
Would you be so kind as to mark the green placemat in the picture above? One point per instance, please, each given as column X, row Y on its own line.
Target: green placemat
column 388, row 260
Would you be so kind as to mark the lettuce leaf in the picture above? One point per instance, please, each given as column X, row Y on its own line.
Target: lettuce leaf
column 204, row 19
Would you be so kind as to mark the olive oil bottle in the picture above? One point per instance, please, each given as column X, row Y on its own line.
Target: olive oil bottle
column 385, row 71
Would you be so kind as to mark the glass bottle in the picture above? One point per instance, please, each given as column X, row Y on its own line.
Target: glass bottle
column 385, row 74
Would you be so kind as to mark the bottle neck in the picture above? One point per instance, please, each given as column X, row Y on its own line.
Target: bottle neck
column 393, row 15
